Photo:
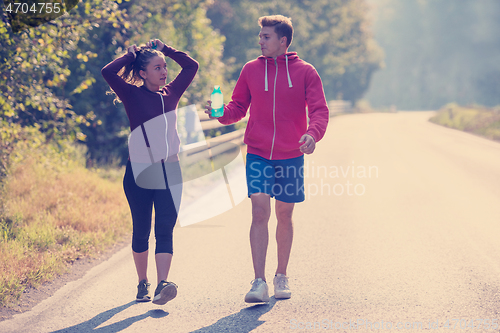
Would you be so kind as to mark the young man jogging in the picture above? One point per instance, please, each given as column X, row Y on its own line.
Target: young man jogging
column 277, row 86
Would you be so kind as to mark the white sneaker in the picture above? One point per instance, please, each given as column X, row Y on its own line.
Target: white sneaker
column 281, row 289
column 258, row 293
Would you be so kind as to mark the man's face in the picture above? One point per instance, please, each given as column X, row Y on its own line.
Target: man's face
column 270, row 44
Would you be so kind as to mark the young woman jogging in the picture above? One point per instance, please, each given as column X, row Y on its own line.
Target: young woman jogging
column 138, row 78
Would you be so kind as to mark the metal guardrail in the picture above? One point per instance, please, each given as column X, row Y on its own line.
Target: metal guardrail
column 218, row 145
column 339, row 106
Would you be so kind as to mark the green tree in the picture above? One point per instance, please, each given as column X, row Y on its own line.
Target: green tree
column 34, row 71
column 107, row 125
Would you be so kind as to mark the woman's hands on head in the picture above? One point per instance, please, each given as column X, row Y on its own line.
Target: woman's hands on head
column 133, row 49
column 155, row 42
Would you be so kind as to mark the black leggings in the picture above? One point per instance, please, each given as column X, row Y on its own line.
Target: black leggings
column 141, row 202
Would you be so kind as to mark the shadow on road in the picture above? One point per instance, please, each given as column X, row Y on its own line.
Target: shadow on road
column 92, row 324
column 242, row 322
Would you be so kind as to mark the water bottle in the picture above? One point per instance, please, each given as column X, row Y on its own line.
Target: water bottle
column 217, row 102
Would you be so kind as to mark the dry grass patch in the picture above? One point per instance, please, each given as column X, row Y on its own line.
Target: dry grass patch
column 54, row 215
column 473, row 119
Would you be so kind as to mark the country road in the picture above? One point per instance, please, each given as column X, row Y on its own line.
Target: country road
column 400, row 232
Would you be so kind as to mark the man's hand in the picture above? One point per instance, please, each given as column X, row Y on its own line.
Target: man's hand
column 208, row 110
column 309, row 144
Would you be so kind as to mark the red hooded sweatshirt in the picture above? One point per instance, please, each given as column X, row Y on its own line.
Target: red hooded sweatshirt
column 278, row 92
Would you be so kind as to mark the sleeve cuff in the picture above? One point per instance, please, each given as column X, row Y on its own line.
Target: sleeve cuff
column 167, row 50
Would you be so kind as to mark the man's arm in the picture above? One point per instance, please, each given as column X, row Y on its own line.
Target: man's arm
column 317, row 107
column 240, row 101
column 318, row 113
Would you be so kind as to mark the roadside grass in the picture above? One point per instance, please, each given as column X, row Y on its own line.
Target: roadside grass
column 55, row 211
column 473, row 119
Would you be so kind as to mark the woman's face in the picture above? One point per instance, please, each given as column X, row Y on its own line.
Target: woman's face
column 156, row 72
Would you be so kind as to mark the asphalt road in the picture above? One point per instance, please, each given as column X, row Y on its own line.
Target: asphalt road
column 400, row 232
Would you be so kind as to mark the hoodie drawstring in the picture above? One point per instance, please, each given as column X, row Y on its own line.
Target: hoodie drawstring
column 290, row 85
column 266, row 88
column 287, row 73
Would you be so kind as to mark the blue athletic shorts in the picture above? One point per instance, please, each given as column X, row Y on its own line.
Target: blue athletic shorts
column 281, row 179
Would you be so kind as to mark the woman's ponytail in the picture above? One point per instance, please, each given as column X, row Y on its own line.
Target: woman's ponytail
column 131, row 72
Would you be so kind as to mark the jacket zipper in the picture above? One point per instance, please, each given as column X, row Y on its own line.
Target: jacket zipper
column 166, row 125
column 274, row 109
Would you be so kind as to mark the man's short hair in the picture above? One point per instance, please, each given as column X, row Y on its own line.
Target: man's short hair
column 282, row 26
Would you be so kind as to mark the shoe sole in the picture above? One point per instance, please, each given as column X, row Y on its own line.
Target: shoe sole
column 284, row 295
column 166, row 294
column 255, row 299
column 144, row 299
